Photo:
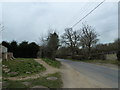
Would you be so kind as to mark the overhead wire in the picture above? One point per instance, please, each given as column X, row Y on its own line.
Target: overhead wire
column 83, row 9
column 88, row 14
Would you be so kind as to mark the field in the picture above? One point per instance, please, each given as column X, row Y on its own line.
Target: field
column 21, row 67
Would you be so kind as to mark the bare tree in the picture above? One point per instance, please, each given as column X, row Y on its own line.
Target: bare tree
column 71, row 39
column 88, row 37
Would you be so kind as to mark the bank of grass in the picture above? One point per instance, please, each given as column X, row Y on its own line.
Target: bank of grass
column 13, row 84
column 115, row 62
column 48, row 83
column 41, row 81
column 22, row 66
column 51, row 62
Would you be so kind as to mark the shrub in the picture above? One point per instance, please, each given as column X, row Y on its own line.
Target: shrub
column 61, row 56
column 99, row 56
column 118, row 55
column 79, row 57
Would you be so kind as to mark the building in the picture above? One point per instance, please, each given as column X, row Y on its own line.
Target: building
column 3, row 52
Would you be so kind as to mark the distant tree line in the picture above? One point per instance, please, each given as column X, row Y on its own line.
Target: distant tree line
column 23, row 49
column 83, row 44
column 79, row 44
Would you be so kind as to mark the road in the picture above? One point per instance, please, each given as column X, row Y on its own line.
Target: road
column 102, row 74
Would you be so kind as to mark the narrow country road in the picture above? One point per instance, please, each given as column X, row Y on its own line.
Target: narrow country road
column 101, row 74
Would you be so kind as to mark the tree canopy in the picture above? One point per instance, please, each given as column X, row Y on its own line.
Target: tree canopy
column 23, row 50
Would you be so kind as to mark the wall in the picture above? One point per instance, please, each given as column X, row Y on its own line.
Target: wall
column 111, row 57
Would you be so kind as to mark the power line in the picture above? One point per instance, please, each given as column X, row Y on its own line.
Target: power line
column 81, row 12
column 85, row 10
column 1, row 27
column 87, row 14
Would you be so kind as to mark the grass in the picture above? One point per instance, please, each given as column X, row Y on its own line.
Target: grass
column 102, row 61
column 48, row 83
column 53, row 63
column 21, row 66
column 14, row 84
column 37, row 82
column 115, row 62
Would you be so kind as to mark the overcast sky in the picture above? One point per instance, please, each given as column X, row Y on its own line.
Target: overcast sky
column 29, row 21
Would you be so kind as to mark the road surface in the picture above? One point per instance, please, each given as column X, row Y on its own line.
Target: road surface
column 102, row 74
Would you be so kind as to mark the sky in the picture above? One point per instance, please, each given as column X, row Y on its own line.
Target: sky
column 31, row 20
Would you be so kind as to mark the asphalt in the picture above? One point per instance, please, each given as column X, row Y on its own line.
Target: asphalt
column 102, row 74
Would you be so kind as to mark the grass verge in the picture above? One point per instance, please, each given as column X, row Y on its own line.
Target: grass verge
column 21, row 67
column 115, row 62
column 51, row 62
column 13, row 84
column 36, row 82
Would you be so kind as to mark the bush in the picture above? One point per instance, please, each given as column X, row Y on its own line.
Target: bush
column 61, row 56
column 79, row 57
column 99, row 56
column 118, row 55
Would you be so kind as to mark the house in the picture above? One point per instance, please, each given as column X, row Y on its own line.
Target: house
column 3, row 52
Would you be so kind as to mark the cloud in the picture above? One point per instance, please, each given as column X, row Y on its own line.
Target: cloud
column 29, row 21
